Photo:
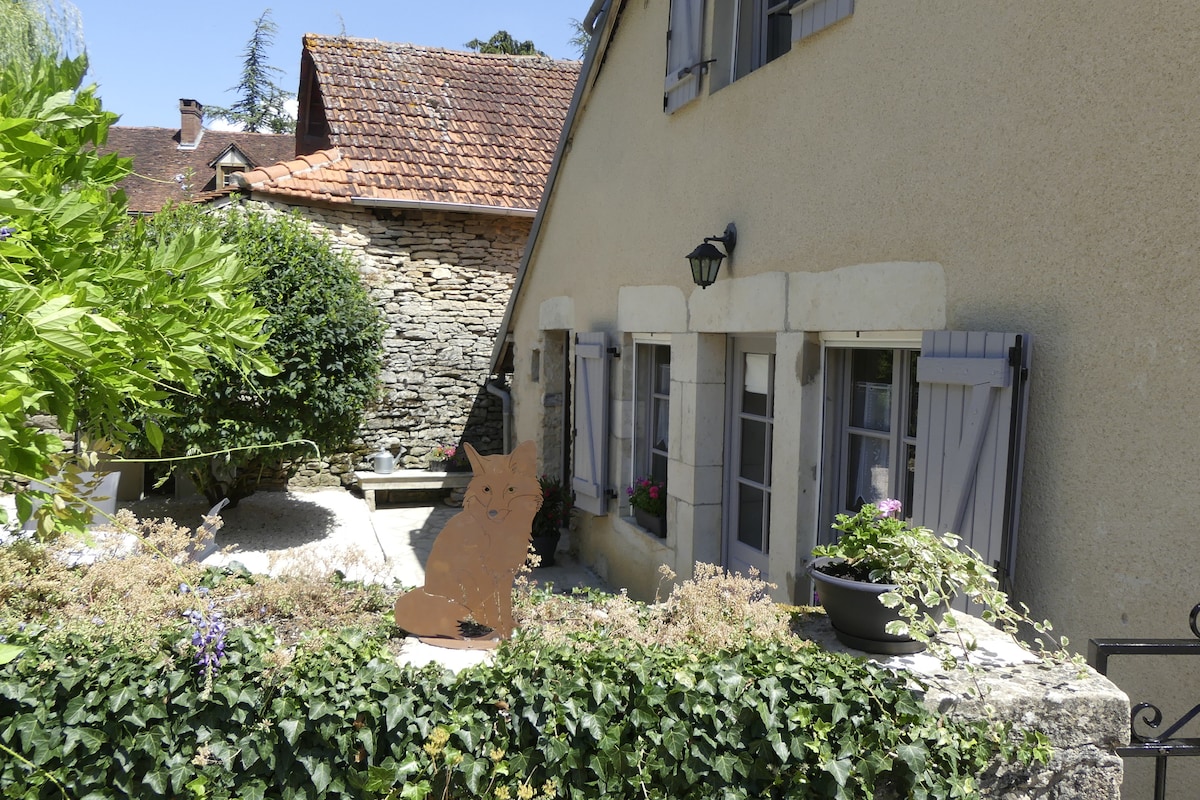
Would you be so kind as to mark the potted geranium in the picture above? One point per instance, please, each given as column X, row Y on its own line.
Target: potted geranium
column 551, row 518
column 649, row 500
column 886, row 584
column 446, row 458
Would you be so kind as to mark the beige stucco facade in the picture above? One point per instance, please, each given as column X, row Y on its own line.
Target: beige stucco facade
column 1004, row 166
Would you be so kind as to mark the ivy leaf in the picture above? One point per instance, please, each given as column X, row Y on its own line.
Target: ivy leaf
column 914, row 756
column 724, row 764
column 291, row 730
column 9, row 652
column 415, row 790
column 839, row 769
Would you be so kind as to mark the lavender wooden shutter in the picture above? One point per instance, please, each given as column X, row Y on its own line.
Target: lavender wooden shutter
column 971, row 408
column 819, row 15
column 591, row 423
column 684, row 41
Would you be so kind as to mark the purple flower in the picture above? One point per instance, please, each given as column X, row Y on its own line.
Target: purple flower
column 6, row 232
column 890, row 507
column 208, row 637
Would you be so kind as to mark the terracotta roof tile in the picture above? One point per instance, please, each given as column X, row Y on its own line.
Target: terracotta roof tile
column 157, row 159
column 420, row 123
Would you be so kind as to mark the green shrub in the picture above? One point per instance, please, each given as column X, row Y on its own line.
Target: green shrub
column 336, row 717
column 324, row 336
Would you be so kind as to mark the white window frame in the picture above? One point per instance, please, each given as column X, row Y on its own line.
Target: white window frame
column 644, row 396
column 737, row 554
column 835, row 445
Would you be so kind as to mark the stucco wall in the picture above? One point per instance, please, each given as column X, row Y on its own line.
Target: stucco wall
column 1043, row 156
column 441, row 281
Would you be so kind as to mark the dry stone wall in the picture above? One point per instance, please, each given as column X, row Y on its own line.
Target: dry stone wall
column 441, row 281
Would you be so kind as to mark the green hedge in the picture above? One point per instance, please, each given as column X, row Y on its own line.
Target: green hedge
column 341, row 719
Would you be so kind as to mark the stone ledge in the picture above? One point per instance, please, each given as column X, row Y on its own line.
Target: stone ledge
column 1082, row 713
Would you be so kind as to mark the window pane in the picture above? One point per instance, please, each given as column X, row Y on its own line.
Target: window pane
column 662, row 369
column 752, row 510
column 658, row 468
column 756, row 383
column 871, row 389
column 910, row 476
column 912, row 392
column 779, row 34
column 867, row 479
column 659, row 436
column 754, row 450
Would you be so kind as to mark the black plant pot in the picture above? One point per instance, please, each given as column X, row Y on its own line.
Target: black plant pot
column 859, row 620
column 544, row 545
column 655, row 524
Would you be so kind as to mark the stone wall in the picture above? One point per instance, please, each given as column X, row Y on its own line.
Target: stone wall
column 441, row 280
column 1082, row 713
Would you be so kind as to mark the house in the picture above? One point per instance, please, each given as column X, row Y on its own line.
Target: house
column 963, row 276
column 428, row 165
column 178, row 166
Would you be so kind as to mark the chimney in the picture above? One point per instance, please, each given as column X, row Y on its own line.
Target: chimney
column 191, row 114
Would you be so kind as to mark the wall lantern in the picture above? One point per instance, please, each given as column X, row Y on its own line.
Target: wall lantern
column 706, row 259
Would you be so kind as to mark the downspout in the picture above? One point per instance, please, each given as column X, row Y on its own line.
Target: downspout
column 496, row 386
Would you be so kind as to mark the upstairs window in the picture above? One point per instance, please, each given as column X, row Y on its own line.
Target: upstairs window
column 748, row 34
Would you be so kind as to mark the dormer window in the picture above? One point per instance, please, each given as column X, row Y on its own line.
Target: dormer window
column 231, row 161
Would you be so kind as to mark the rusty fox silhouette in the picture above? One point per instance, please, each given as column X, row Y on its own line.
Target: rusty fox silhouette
column 475, row 557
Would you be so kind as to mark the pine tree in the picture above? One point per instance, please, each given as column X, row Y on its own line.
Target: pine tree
column 261, row 107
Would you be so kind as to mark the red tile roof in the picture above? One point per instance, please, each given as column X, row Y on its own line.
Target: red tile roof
column 408, row 123
column 157, row 159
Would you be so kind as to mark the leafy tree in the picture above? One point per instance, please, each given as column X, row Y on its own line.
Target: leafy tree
column 95, row 325
column 503, row 42
column 33, row 28
column 324, row 336
column 261, row 107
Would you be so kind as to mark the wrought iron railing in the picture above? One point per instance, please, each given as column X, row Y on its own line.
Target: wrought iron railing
column 1145, row 720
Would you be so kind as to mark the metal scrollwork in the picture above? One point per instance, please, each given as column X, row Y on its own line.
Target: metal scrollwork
column 1146, row 718
column 1154, row 721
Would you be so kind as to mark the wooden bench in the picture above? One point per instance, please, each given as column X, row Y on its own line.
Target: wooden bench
column 372, row 482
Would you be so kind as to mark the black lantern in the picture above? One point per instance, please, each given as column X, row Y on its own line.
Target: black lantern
column 706, row 259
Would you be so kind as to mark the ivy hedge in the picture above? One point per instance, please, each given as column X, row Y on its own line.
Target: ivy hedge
column 338, row 718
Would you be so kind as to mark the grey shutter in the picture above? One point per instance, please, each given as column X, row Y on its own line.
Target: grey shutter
column 819, row 15
column 684, row 59
column 589, row 480
column 971, row 408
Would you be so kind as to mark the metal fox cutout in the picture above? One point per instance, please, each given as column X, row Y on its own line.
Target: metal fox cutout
column 466, row 601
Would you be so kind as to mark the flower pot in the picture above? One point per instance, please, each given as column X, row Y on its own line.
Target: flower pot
column 545, row 545
column 651, row 522
column 859, row 620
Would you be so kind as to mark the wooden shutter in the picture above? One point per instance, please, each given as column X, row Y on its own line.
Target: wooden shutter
column 818, row 15
column 684, row 60
column 971, row 406
column 589, row 480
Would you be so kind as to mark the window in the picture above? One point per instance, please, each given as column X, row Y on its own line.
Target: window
column 748, row 468
column 951, row 451
column 872, row 434
column 652, row 392
column 749, row 34
column 225, row 175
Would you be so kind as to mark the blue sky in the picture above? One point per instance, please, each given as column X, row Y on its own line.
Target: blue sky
column 146, row 54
